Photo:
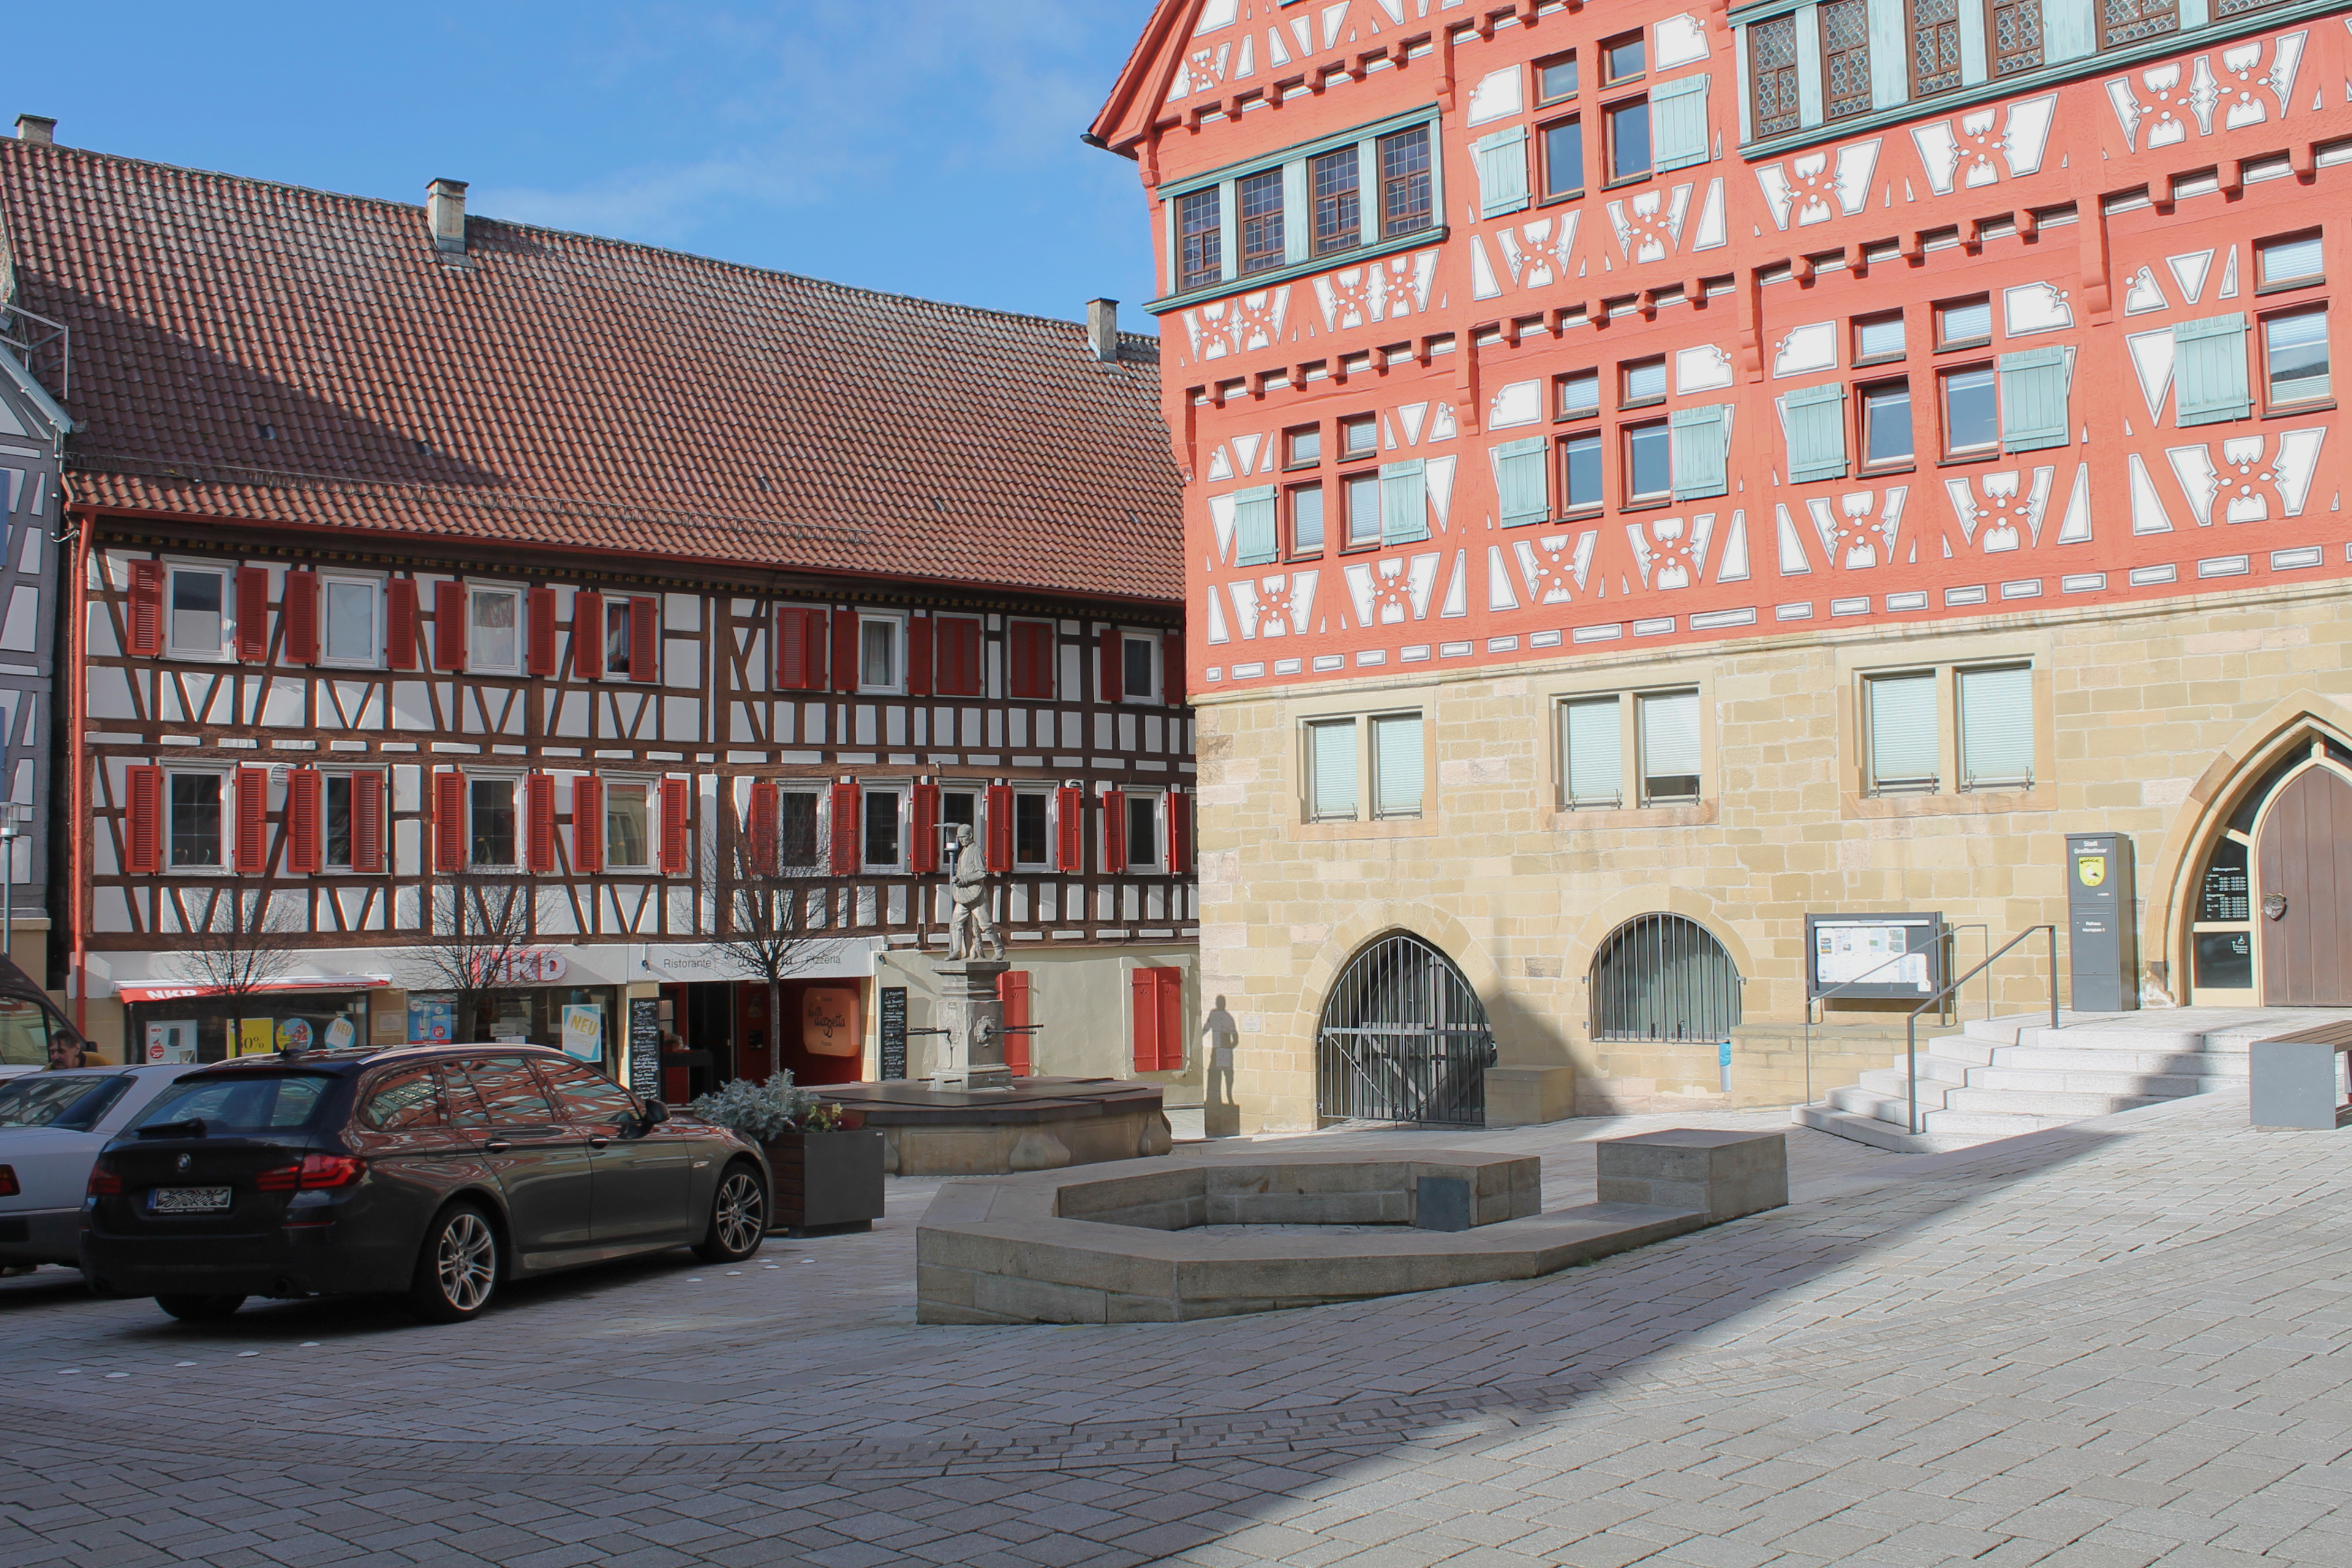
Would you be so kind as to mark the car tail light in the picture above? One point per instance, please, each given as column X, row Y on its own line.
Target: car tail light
column 104, row 1184
column 8, row 1187
column 283, row 1179
column 331, row 1170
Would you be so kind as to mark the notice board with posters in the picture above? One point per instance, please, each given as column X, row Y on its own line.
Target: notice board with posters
column 644, row 1046
column 1874, row 957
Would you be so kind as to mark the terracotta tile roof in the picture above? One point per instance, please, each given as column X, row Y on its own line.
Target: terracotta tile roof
column 575, row 392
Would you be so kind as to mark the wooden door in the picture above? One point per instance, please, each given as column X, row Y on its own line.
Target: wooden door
column 2305, row 857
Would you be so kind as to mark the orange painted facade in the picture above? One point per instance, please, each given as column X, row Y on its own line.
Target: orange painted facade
column 2079, row 437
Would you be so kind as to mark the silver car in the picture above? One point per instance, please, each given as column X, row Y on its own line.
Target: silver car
column 52, row 1125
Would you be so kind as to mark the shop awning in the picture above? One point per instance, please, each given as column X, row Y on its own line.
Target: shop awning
column 182, row 990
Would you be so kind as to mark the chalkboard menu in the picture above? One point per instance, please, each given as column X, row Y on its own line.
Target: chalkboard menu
column 894, row 1032
column 2226, row 893
column 644, row 1046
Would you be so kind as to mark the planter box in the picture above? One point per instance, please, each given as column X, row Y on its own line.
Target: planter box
column 825, row 1182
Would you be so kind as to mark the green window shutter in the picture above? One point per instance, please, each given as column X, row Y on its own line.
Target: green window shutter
column 1502, row 161
column 1404, row 503
column 1678, row 123
column 2209, row 371
column 1254, row 527
column 1814, row 421
column 1519, row 490
column 1701, row 441
column 2033, row 399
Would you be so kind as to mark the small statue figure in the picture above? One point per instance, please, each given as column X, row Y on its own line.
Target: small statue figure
column 967, row 924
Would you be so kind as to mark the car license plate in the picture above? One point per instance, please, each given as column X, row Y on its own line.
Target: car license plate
column 188, row 1200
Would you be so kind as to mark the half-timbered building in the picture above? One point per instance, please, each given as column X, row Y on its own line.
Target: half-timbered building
column 484, row 629
column 1658, row 474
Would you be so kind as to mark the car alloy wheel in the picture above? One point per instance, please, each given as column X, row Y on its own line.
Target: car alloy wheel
column 739, row 1216
column 466, row 1260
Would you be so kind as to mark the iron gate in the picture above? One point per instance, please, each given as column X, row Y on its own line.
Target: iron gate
column 1403, row 1038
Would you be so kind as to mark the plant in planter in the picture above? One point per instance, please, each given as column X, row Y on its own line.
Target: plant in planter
column 828, row 1176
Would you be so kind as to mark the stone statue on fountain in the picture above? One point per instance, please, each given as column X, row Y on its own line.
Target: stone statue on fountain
column 970, row 1008
column 969, row 927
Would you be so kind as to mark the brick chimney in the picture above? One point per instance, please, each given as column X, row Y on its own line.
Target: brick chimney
column 37, row 128
column 445, row 214
column 1102, row 329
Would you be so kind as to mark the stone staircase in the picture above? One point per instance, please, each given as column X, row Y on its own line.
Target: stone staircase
column 2001, row 1076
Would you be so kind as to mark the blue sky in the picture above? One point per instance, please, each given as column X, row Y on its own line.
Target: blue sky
column 921, row 146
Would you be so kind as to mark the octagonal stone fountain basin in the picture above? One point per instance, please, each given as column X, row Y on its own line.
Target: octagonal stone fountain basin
column 1079, row 1247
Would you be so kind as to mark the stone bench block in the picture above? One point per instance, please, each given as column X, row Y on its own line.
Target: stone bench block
column 1722, row 1174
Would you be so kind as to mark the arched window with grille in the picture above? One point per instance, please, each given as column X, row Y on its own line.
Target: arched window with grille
column 1663, row 977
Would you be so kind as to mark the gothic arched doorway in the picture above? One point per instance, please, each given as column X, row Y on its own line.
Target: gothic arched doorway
column 2272, row 909
column 1403, row 1038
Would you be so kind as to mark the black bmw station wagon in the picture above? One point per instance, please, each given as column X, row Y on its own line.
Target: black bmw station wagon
column 437, row 1173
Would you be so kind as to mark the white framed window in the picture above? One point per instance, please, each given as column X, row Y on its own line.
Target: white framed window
column 1903, row 730
column 1333, row 769
column 195, row 812
column 881, row 662
column 882, row 836
column 1593, row 752
column 350, row 616
column 800, row 844
column 493, row 823
column 628, row 825
column 1996, row 707
column 1145, row 835
column 494, row 630
column 1139, row 668
column 1669, row 724
column 199, row 612
column 1033, row 827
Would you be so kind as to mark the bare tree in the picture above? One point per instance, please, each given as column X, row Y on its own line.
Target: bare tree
column 248, row 941
column 763, row 929
column 480, row 926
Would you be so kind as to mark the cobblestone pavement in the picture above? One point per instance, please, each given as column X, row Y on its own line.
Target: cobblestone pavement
column 2116, row 1343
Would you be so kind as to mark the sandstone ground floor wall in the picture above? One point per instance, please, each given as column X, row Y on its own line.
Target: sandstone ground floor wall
column 2147, row 722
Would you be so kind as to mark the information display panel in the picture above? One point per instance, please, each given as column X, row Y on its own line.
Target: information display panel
column 1874, row 957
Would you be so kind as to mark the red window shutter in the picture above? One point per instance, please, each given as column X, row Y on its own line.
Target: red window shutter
column 1180, row 834
column 918, row 655
column 644, row 639
column 959, row 657
column 800, row 649
column 252, row 614
column 1172, row 1019
column 145, row 614
column 1113, row 648
column 587, row 636
column 588, row 825
column 1143, row 1014
column 1172, row 667
column 1012, row 990
column 1034, row 647
column 673, row 824
column 759, row 832
column 923, row 854
column 448, row 822
column 1114, row 816
column 999, row 827
column 367, row 822
column 843, row 858
column 304, row 844
column 400, row 624
column 142, row 821
column 539, row 608
column 844, row 651
column 539, row 824
column 251, row 856
column 1070, row 805
column 449, row 625
column 299, row 609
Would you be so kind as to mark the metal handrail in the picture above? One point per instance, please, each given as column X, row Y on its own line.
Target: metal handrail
column 1943, row 933
column 1911, row 1024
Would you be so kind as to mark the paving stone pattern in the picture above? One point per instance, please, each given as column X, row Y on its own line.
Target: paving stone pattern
column 2116, row 1343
